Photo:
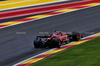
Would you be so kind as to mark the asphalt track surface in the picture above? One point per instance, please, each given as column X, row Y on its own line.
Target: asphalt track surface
column 16, row 42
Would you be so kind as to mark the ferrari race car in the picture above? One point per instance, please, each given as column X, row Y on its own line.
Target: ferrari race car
column 56, row 39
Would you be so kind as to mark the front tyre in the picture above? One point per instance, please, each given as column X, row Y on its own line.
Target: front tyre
column 57, row 42
column 76, row 36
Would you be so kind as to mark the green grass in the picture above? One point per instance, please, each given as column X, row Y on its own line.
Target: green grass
column 86, row 54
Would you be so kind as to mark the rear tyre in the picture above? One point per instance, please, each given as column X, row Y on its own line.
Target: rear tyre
column 38, row 43
column 57, row 42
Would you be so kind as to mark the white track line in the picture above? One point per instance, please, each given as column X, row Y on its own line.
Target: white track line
column 48, row 16
column 48, row 51
column 33, row 5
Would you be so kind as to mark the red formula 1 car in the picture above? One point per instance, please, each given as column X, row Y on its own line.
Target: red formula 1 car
column 56, row 39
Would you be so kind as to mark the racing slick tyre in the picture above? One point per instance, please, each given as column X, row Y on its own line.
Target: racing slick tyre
column 76, row 36
column 38, row 43
column 57, row 42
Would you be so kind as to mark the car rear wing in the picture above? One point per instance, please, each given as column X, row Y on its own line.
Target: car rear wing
column 43, row 36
